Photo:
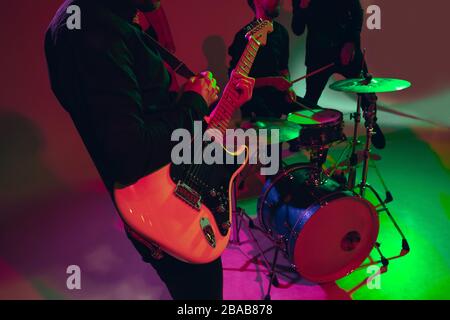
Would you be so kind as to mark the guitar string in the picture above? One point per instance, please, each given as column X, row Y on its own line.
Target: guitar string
column 219, row 125
column 193, row 170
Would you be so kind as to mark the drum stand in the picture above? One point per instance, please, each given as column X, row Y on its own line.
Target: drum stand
column 317, row 159
column 354, row 158
column 318, row 156
column 369, row 114
column 239, row 215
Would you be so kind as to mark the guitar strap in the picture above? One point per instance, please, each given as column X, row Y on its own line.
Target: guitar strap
column 176, row 64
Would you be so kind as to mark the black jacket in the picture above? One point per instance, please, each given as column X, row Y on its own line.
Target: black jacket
column 115, row 87
column 330, row 24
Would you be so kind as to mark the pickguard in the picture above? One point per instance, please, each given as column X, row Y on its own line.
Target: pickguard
column 203, row 184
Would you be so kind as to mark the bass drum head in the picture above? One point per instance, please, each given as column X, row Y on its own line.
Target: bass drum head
column 336, row 239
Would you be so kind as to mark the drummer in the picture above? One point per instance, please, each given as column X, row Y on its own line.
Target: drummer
column 273, row 95
column 334, row 36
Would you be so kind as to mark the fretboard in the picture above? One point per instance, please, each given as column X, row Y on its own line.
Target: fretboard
column 221, row 116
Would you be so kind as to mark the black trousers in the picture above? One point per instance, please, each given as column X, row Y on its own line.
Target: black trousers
column 316, row 84
column 183, row 280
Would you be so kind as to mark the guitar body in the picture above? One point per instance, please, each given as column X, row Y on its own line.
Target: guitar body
column 162, row 208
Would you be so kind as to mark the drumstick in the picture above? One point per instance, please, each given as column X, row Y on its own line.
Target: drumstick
column 303, row 106
column 314, row 72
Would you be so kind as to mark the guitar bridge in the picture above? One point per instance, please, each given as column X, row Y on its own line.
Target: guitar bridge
column 188, row 195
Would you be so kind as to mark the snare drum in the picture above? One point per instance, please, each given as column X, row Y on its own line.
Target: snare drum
column 319, row 127
column 326, row 230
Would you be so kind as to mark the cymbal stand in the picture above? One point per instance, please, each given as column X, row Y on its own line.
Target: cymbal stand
column 382, row 208
column 354, row 158
column 389, row 197
column 357, row 117
column 370, row 116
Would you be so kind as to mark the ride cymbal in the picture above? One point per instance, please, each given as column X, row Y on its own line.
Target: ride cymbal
column 370, row 85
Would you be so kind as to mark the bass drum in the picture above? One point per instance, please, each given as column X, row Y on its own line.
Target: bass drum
column 327, row 230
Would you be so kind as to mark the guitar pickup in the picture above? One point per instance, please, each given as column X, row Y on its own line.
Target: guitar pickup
column 188, row 195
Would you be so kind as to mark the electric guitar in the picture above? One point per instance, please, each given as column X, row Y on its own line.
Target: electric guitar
column 186, row 209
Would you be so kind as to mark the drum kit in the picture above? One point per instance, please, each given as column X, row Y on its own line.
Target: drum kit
column 325, row 226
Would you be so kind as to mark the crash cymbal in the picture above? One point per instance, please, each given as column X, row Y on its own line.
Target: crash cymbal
column 370, row 85
column 288, row 130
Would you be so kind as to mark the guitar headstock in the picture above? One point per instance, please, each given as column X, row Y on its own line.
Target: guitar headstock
column 259, row 31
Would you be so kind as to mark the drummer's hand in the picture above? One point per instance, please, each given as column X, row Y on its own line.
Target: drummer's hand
column 243, row 87
column 347, row 53
column 280, row 83
column 291, row 96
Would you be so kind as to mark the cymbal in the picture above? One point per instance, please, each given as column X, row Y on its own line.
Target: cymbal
column 288, row 130
column 375, row 85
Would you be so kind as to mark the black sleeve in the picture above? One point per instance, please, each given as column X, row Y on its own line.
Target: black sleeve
column 299, row 18
column 236, row 49
column 355, row 26
column 284, row 62
column 132, row 141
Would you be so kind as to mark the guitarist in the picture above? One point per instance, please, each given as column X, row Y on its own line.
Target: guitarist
column 115, row 87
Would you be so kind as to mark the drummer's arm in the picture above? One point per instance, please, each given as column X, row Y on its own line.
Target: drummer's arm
column 284, row 59
column 281, row 82
column 286, row 74
column 277, row 82
column 284, row 66
column 291, row 96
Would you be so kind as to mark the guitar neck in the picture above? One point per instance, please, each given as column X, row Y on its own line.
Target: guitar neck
column 221, row 116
